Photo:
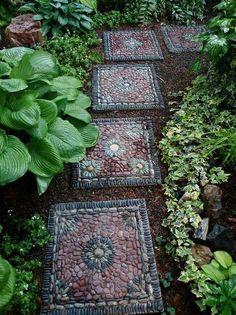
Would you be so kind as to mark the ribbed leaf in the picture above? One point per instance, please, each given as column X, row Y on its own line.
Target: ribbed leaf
column 21, row 119
column 66, row 82
column 67, row 86
column 14, row 161
column 90, row 3
column 223, row 258
column 3, row 140
column 12, row 85
column 5, row 69
column 72, row 109
column 83, row 101
column 40, row 131
column 67, row 140
column 7, row 282
column 38, row 65
column 48, row 110
column 89, row 132
column 14, row 55
column 45, row 158
column 213, row 273
column 43, row 183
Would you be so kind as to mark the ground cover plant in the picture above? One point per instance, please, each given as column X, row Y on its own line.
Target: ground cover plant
column 75, row 54
column 34, row 100
column 198, row 142
column 33, row 237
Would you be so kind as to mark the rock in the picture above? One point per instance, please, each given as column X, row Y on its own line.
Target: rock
column 203, row 252
column 24, row 31
column 202, row 230
column 189, row 196
column 177, row 300
column 222, row 238
column 213, row 197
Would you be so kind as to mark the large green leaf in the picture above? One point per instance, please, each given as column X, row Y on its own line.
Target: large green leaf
column 21, row 118
column 5, row 69
column 14, row 55
column 43, row 183
column 40, row 131
column 14, row 160
column 90, row 3
column 83, row 100
column 72, row 109
column 20, row 112
column 66, row 82
column 67, row 140
column 48, row 110
column 213, row 273
column 38, row 65
column 67, row 86
column 89, row 132
column 7, row 282
column 223, row 258
column 45, row 158
column 12, row 85
column 3, row 140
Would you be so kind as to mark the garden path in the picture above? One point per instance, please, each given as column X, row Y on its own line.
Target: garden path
column 101, row 259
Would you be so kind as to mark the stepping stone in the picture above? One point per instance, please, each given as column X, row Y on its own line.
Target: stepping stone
column 122, row 87
column 180, row 38
column 131, row 45
column 126, row 155
column 101, row 260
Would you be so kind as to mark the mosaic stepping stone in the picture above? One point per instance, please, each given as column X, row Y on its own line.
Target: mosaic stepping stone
column 131, row 45
column 101, row 260
column 180, row 38
column 122, row 87
column 125, row 155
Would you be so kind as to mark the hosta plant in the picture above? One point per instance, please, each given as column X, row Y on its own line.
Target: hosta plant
column 219, row 289
column 60, row 16
column 7, row 283
column 43, row 117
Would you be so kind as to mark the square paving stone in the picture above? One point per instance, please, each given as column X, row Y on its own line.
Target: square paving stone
column 180, row 38
column 131, row 45
column 125, row 155
column 101, row 260
column 122, row 87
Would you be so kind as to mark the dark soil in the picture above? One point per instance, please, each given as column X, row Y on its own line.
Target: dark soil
column 22, row 196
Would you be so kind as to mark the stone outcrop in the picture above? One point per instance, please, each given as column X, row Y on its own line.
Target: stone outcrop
column 24, row 31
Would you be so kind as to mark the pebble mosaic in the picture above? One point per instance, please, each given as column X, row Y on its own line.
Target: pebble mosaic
column 131, row 45
column 122, row 87
column 101, row 260
column 180, row 38
column 125, row 155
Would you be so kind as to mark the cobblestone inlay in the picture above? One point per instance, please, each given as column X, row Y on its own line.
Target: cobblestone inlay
column 180, row 38
column 101, row 260
column 125, row 155
column 122, row 87
column 131, row 45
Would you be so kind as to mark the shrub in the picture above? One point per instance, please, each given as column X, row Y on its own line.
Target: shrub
column 59, row 16
column 7, row 283
column 75, row 54
column 219, row 41
column 23, row 241
column 185, row 11
column 219, row 289
column 34, row 100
